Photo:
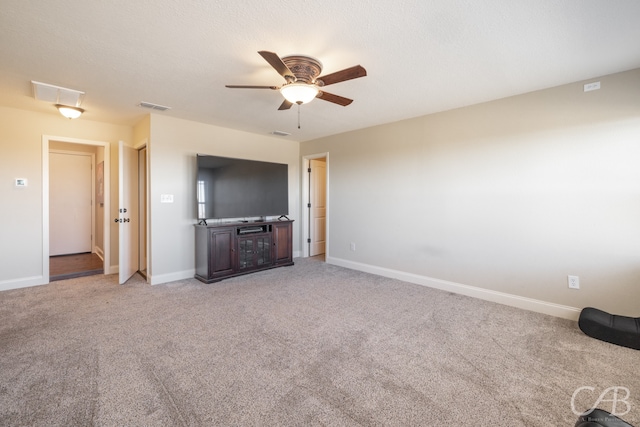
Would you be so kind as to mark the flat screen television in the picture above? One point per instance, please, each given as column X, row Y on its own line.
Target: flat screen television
column 228, row 188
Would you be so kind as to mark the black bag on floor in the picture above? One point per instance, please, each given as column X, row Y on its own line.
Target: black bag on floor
column 620, row 330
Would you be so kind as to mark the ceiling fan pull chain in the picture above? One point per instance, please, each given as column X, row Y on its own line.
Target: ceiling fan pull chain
column 298, row 116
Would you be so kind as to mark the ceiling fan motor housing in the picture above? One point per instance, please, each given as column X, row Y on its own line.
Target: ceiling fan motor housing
column 305, row 68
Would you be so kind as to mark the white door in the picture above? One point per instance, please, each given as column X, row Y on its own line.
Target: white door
column 318, row 213
column 69, row 203
column 127, row 211
column 142, row 209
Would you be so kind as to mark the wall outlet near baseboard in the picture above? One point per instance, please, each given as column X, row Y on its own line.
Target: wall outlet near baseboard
column 574, row 282
column 352, row 246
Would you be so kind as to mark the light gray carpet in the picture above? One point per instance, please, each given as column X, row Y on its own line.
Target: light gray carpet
column 312, row 344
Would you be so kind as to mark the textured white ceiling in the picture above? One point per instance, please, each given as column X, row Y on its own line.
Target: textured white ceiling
column 422, row 56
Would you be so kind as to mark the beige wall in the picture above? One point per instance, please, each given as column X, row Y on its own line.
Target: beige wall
column 141, row 131
column 509, row 196
column 21, row 215
column 173, row 145
column 172, row 152
column 506, row 197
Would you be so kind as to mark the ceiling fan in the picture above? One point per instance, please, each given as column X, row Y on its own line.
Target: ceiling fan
column 302, row 81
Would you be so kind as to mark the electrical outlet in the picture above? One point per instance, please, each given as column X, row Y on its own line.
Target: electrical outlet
column 353, row 246
column 574, row 282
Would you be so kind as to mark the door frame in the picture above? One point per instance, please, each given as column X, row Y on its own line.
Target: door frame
column 306, row 198
column 128, row 203
column 46, row 139
column 143, row 199
column 93, row 189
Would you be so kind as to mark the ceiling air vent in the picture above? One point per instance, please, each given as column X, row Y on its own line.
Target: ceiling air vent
column 280, row 133
column 151, row 106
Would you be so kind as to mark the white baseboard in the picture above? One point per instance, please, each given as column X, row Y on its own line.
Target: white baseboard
column 98, row 251
column 24, row 282
column 525, row 303
column 552, row 309
column 158, row 279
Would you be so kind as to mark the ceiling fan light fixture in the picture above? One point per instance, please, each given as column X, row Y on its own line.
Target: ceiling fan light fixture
column 69, row 112
column 299, row 93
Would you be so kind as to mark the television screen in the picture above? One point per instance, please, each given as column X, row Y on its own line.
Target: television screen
column 237, row 188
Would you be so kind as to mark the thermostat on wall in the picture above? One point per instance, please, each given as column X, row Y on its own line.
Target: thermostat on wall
column 21, row 182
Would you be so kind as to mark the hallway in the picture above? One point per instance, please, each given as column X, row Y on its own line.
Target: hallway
column 75, row 265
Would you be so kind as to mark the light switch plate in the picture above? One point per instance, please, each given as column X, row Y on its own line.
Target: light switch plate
column 21, row 182
column 591, row 86
column 166, row 198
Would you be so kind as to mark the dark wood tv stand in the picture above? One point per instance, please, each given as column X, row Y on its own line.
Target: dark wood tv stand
column 230, row 249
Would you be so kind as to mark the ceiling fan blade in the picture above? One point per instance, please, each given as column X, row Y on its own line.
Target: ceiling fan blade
column 274, row 60
column 285, row 105
column 344, row 75
column 336, row 99
column 252, row 87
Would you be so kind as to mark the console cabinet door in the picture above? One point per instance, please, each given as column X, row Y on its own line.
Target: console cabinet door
column 245, row 253
column 221, row 257
column 263, row 251
column 254, row 252
column 282, row 243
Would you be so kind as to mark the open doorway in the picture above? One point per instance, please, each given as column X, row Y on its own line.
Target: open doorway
column 75, row 182
column 315, row 219
column 72, row 213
